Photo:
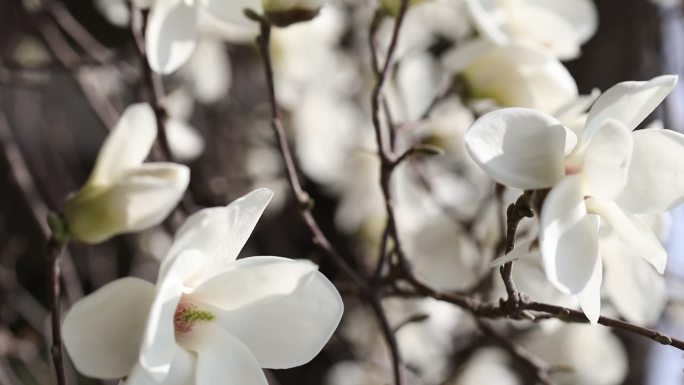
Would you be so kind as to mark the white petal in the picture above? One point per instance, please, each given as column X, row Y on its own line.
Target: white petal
column 629, row 102
column 219, row 232
column 159, row 342
column 580, row 13
column 637, row 291
column 127, row 145
column 288, row 330
column 485, row 23
column 232, row 11
column 185, row 142
column 171, row 34
column 151, row 192
column 257, row 279
column 545, row 28
column 181, row 372
column 521, row 250
column 655, row 182
column 519, row 147
column 568, row 237
column 631, row 231
column 102, row 332
column 142, row 197
column 590, row 297
column 222, row 359
column 606, row 160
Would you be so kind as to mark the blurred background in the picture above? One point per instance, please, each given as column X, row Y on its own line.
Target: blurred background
column 70, row 67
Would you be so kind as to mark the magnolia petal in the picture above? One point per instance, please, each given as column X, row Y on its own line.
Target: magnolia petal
column 127, row 145
column 590, row 297
column 185, row 142
column 519, row 147
column 629, row 102
column 181, row 371
column 631, row 231
column 142, row 197
column 485, row 23
column 655, row 181
column 222, row 359
column 150, row 192
column 232, row 11
column 637, row 291
column 219, row 232
column 606, row 160
column 521, row 250
column 581, row 14
column 159, row 341
column 568, row 237
column 288, row 330
column 256, row 278
column 549, row 30
column 102, row 332
column 171, row 34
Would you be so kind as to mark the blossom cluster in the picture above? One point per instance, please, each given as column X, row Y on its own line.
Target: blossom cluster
column 481, row 83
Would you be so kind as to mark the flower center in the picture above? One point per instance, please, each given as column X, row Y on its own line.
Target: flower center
column 187, row 315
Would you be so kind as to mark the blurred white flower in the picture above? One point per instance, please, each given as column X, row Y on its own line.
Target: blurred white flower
column 608, row 172
column 122, row 194
column 209, row 315
column 517, row 75
column 185, row 141
column 593, row 356
column 556, row 26
column 487, row 366
column 173, row 25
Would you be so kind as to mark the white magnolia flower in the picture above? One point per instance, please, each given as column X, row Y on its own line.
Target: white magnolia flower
column 173, row 26
column 210, row 317
column 556, row 26
column 594, row 356
column 517, row 75
column 608, row 172
column 123, row 194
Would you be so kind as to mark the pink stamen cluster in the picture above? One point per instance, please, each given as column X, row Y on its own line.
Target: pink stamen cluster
column 182, row 323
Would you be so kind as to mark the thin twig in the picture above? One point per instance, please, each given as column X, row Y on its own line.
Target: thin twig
column 305, row 205
column 53, row 258
column 515, row 213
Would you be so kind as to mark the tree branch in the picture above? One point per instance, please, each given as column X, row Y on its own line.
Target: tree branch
column 304, row 201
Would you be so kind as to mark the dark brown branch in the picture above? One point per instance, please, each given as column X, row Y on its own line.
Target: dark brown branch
column 515, row 213
column 53, row 258
column 305, row 204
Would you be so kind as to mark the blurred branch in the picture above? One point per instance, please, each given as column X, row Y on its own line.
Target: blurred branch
column 305, row 204
column 55, row 248
column 536, row 365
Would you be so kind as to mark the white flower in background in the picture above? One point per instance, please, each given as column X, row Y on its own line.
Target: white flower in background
column 210, row 316
column 487, row 366
column 608, row 172
column 517, row 75
column 559, row 27
column 123, row 194
column 185, row 142
column 594, row 356
column 173, row 25
column 208, row 71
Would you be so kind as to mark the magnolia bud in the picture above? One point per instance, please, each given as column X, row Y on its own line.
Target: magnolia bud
column 123, row 194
